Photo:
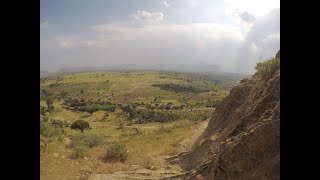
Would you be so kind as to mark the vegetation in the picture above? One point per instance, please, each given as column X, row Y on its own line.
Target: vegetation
column 80, row 152
column 146, row 120
column 268, row 67
column 80, row 125
column 48, row 131
column 179, row 88
column 90, row 141
column 115, row 153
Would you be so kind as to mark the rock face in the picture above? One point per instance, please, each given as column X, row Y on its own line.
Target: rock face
column 278, row 54
column 242, row 140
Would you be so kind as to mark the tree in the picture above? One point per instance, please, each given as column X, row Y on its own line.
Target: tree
column 268, row 67
column 50, row 108
column 49, row 101
column 43, row 110
column 45, row 93
column 80, row 124
column 91, row 109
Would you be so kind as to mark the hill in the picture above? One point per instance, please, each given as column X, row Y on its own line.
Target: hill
column 242, row 140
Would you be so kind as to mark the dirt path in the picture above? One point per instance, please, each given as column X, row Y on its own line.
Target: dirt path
column 138, row 85
column 186, row 144
column 173, row 172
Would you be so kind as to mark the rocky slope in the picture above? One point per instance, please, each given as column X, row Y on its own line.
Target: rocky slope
column 242, row 140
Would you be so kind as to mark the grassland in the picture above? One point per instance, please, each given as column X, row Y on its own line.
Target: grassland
column 147, row 142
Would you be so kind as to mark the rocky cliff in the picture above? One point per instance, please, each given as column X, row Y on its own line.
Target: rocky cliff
column 242, row 140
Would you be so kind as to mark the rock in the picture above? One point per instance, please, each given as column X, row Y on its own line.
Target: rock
column 278, row 54
column 56, row 155
column 246, row 130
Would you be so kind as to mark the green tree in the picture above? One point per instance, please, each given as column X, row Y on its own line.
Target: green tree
column 91, row 109
column 80, row 125
column 49, row 101
column 268, row 67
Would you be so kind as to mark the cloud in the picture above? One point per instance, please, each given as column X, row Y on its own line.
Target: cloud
column 147, row 44
column 194, row 3
column 262, row 41
column 254, row 7
column 148, row 17
column 155, row 41
column 165, row 3
column 247, row 17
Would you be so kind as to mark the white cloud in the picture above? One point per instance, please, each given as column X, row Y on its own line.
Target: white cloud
column 165, row 3
column 247, row 17
column 155, row 41
column 148, row 17
column 254, row 7
column 194, row 3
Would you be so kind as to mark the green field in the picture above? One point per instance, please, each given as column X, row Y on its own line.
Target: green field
column 148, row 112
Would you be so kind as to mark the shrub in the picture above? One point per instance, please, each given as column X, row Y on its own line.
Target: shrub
column 56, row 123
column 116, row 153
column 268, row 67
column 90, row 141
column 45, row 119
column 80, row 125
column 50, row 108
column 145, row 116
column 46, row 130
column 80, row 152
column 43, row 110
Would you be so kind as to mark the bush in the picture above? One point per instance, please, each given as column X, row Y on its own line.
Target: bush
column 268, row 67
column 80, row 152
column 145, row 116
column 116, row 153
column 80, row 124
column 90, row 141
column 46, row 130
column 56, row 123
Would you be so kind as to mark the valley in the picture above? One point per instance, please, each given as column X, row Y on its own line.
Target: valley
column 143, row 117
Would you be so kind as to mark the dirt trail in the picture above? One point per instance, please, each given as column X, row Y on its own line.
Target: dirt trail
column 186, row 144
column 138, row 85
column 173, row 172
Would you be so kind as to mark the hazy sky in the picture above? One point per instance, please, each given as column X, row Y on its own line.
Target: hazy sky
column 233, row 34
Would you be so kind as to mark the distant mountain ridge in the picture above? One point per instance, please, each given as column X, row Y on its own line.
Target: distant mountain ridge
column 206, row 69
column 178, row 68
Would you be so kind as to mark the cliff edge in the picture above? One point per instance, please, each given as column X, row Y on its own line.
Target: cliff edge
column 242, row 140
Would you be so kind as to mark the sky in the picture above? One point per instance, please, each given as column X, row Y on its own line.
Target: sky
column 233, row 34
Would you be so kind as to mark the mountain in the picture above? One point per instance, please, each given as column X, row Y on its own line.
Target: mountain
column 158, row 67
column 242, row 139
